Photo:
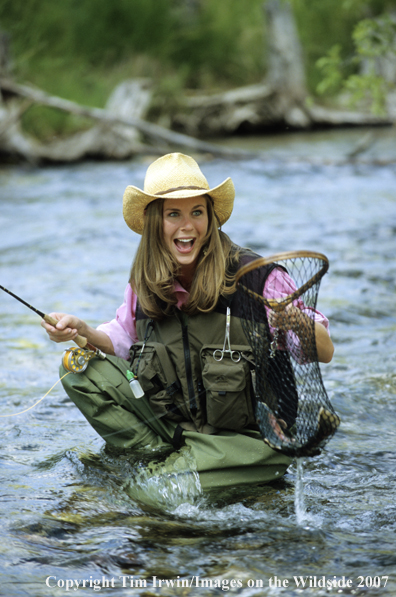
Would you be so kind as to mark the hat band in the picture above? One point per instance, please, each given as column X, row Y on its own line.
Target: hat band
column 192, row 188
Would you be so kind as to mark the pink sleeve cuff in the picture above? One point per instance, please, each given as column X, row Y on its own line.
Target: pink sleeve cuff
column 122, row 329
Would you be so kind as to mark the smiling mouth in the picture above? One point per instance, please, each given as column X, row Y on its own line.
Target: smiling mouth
column 184, row 245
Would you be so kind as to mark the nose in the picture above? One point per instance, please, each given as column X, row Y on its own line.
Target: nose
column 186, row 223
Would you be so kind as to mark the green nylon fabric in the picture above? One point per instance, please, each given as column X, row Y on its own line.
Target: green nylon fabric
column 203, row 329
column 103, row 395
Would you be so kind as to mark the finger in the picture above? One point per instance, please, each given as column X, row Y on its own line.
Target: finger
column 67, row 333
column 49, row 328
column 66, row 322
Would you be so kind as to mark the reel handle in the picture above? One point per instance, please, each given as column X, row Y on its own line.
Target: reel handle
column 79, row 340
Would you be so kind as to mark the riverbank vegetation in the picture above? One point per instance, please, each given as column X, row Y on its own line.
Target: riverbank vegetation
column 81, row 50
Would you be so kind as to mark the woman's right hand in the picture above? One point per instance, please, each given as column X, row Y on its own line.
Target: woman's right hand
column 67, row 328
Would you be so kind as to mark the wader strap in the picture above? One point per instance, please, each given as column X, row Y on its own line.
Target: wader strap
column 177, row 437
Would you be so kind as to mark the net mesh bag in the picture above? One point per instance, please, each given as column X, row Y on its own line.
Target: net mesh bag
column 292, row 408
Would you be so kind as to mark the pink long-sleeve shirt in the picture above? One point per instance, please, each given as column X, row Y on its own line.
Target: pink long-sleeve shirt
column 122, row 329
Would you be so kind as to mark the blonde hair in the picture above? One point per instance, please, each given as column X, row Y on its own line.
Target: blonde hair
column 154, row 269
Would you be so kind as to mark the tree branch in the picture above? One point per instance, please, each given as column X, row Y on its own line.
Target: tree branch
column 152, row 131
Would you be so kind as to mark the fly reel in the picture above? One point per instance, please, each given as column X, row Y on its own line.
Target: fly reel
column 76, row 360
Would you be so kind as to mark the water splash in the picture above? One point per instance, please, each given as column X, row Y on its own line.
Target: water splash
column 168, row 484
column 299, row 501
column 303, row 517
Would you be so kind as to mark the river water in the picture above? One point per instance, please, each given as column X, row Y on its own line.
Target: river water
column 70, row 511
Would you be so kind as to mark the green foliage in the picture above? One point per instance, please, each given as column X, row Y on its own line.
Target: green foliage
column 208, row 41
column 372, row 86
column 373, row 39
column 81, row 49
column 47, row 123
column 331, row 67
column 323, row 25
column 223, row 38
column 99, row 31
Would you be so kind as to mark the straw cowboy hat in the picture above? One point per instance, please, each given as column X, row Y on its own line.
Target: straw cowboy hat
column 175, row 176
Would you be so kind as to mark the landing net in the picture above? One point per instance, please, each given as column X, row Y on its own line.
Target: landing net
column 292, row 408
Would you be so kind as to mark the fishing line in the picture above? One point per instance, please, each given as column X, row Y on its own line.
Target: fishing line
column 38, row 401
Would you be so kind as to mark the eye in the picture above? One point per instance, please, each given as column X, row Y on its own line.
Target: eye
column 172, row 214
column 197, row 212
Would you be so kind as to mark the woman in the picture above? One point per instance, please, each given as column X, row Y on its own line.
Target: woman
column 173, row 320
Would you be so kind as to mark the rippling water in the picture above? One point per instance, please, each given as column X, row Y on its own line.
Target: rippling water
column 70, row 511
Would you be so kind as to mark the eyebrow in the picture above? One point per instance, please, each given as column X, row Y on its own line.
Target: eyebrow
column 178, row 208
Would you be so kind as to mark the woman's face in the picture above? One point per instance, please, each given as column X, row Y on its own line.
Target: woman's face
column 185, row 224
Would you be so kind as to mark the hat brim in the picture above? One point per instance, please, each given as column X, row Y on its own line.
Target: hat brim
column 135, row 202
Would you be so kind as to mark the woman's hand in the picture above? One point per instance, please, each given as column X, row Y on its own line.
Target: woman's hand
column 298, row 322
column 290, row 318
column 70, row 326
column 67, row 328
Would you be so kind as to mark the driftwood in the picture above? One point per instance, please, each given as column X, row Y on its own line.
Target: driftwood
column 13, row 142
column 105, row 140
column 159, row 135
column 102, row 140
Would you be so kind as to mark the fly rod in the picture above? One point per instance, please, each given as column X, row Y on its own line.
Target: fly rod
column 79, row 340
column 74, row 360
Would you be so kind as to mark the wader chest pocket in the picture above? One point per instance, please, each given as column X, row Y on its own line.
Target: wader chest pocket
column 157, row 376
column 228, row 390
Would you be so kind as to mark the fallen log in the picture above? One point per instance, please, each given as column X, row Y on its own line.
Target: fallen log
column 13, row 142
column 130, row 99
column 154, row 132
column 322, row 116
column 14, row 114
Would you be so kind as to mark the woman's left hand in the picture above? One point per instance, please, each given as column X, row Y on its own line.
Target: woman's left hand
column 290, row 318
column 303, row 326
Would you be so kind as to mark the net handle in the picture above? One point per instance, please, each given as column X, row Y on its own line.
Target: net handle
column 287, row 255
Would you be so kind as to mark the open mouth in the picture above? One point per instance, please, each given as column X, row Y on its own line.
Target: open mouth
column 184, row 245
